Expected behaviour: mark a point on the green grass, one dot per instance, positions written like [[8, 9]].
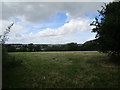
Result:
[[70, 69]]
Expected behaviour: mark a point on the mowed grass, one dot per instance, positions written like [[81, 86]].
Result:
[[70, 69]]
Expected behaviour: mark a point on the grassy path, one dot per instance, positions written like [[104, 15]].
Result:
[[62, 69]]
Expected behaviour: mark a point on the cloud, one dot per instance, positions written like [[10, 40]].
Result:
[[27, 14], [116, 0], [73, 26], [39, 11], [63, 34]]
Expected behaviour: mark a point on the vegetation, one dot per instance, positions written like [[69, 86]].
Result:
[[3, 37], [81, 69], [7, 60], [87, 46], [107, 26]]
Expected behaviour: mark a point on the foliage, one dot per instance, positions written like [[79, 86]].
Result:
[[107, 27], [91, 45], [3, 39], [72, 46], [4, 36], [87, 46], [4, 51], [7, 60], [11, 62]]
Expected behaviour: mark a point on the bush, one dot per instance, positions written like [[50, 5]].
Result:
[[4, 51], [13, 62], [9, 61]]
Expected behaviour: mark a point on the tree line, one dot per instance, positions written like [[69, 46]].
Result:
[[87, 46]]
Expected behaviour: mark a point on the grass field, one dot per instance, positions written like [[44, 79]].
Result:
[[73, 69]]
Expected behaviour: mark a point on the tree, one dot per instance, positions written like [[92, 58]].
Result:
[[11, 49], [72, 46], [91, 45], [31, 47], [107, 27], [4, 36]]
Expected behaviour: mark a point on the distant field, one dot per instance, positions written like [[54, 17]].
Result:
[[70, 69]]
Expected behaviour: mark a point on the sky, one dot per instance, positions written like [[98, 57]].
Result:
[[49, 22]]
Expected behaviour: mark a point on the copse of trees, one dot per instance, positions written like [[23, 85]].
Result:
[[107, 27], [72, 46], [91, 45]]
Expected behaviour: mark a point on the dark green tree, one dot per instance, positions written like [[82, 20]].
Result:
[[72, 46], [107, 27], [31, 47], [91, 45]]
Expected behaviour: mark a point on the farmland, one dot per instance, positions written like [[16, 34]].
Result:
[[65, 69]]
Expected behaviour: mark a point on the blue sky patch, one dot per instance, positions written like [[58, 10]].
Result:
[[58, 20], [83, 34], [54, 22]]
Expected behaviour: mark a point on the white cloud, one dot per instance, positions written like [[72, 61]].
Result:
[[36, 11], [63, 34], [73, 26], [59, 0], [30, 13]]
